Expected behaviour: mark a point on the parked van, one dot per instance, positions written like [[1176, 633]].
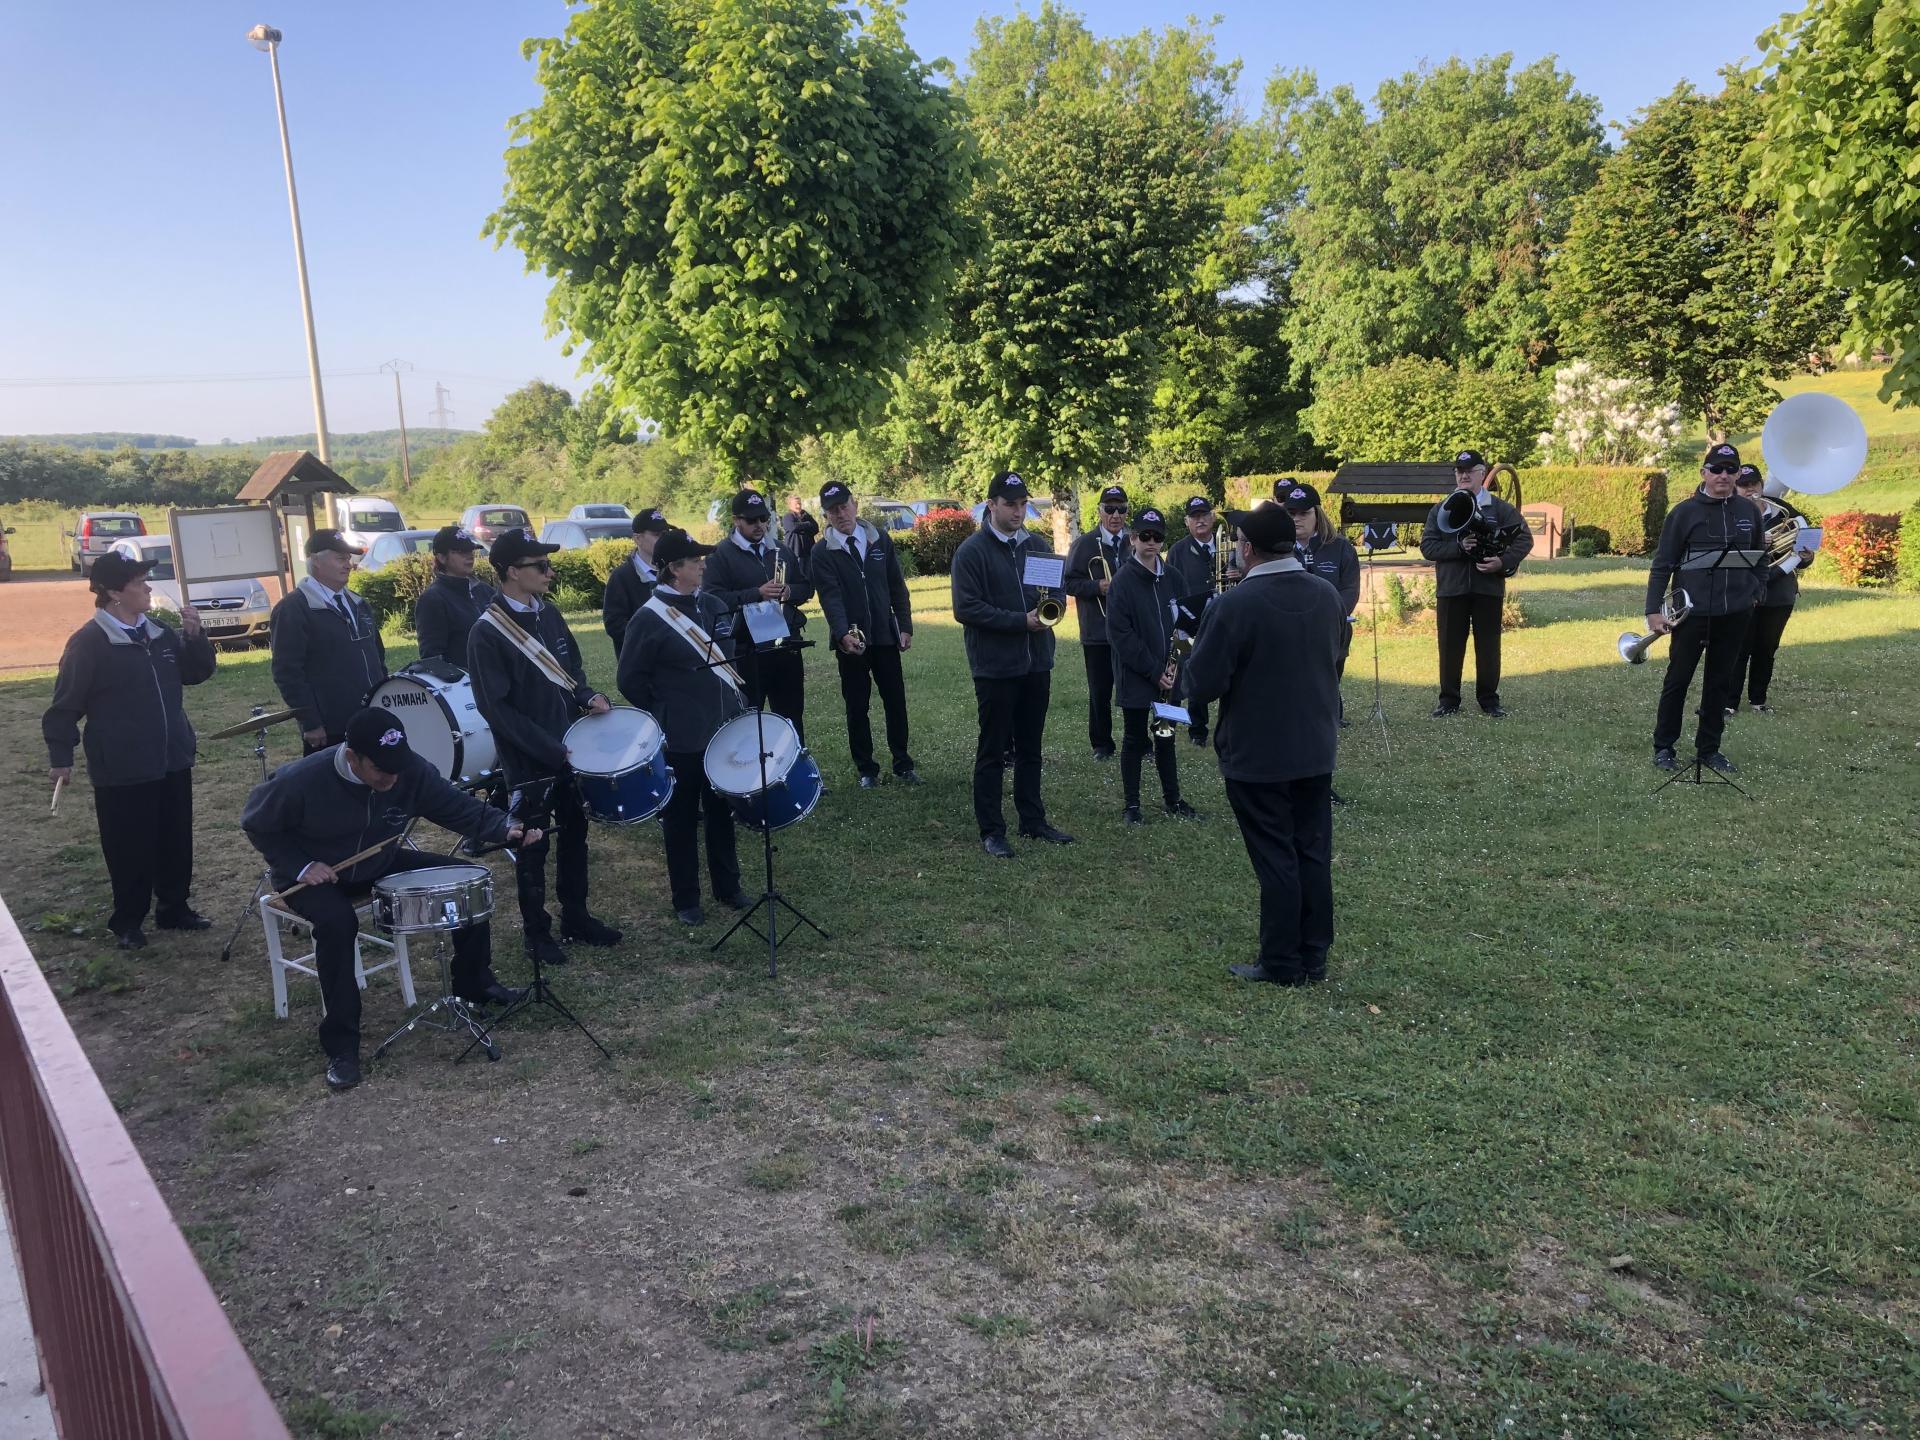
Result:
[[361, 517]]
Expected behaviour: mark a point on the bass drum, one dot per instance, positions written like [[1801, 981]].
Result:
[[792, 779], [434, 704]]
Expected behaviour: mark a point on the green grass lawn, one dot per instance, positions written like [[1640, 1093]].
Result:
[[1605, 1124]]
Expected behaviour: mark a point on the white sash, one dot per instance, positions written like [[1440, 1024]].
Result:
[[529, 646], [702, 643]]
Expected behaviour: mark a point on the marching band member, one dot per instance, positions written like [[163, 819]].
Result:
[[1323, 550], [740, 571], [1088, 584], [856, 571], [447, 609], [1010, 654], [1140, 611], [327, 652], [668, 669], [520, 655], [122, 674], [1769, 623], [1269, 652], [1708, 522], [1470, 589], [317, 811], [1195, 562], [630, 586]]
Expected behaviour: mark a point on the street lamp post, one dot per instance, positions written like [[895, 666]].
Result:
[[265, 37]]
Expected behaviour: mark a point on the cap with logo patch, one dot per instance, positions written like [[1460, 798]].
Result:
[[1468, 459], [1297, 495], [1199, 505], [516, 547], [449, 538], [751, 505], [654, 520], [376, 738], [325, 539], [834, 493], [1007, 485]]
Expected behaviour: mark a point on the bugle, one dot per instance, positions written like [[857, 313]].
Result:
[[1675, 608]]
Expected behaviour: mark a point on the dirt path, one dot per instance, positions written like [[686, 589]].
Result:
[[37, 614]]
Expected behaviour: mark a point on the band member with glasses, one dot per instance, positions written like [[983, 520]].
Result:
[[1141, 608], [1195, 561], [447, 609], [740, 571], [1755, 675], [1010, 654], [327, 652], [1096, 557], [517, 679], [631, 585], [1470, 588], [1323, 550], [1706, 524]]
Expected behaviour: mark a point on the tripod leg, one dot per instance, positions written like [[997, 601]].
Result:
[[240, 920]]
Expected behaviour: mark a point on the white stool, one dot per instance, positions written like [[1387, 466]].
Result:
[[278, 921]]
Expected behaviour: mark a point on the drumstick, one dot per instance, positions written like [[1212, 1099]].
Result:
[[345, 864], [54, 809]]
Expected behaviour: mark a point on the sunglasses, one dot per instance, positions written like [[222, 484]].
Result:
[[545, 567], [1113, 509], [1723, 469]]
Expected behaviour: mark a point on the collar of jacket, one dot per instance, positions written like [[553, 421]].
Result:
[[321, 598], [834, 540], [116, 633], [1285, 565], [1706, 499]]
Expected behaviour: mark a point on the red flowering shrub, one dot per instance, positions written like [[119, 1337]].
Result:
[[1864, 548], [934, 538]]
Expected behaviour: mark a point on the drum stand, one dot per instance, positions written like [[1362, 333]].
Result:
[[770, 896], [459, 1018]]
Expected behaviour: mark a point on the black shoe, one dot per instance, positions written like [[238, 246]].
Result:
[[1133, 816], [908, 776], [188, 919], [869, 782], [1664, 759], [1103, 752], [1270, 977], [1345, 724], [585, 930], [738, 900], [494, 993], [692, 915], [1197, 735], [134, 939], [996, 846], [1315, 969], [1335, 796], [546, 950], [1047, 833], [1719, 763], [1495, 712], [343, 1072], [1181, 810], [1443, 708]]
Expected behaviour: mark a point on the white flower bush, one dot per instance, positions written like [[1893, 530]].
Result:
[[1607, 420]]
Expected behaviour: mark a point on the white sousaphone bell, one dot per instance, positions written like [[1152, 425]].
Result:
[[1812, 443]]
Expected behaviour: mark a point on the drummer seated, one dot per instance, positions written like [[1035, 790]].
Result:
[[336, 803]]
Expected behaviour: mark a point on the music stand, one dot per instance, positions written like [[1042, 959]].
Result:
[[1695, 772], [1379, 538]]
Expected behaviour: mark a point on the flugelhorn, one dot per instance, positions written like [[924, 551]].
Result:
[[1675, 608], [1177, 653]]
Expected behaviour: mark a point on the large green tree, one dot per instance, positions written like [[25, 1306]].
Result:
[[1667, 271], [1424, 227], [1840, 155], [750, 210]]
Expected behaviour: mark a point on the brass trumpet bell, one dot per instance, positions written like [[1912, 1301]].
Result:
[[1051, 609]]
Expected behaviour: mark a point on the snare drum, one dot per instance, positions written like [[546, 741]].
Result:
[[620, 759], [440, 897], [733, 768], [434, 704]]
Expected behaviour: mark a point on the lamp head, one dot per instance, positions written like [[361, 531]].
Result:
[[264, 37]]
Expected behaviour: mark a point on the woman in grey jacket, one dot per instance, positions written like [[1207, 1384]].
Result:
[[122, 674]]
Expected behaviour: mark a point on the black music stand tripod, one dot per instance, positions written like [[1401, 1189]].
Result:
[[1378, 538]]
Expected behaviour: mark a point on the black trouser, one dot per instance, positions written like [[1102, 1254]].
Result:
[[1288, 830], [569, 822], [329, 909], [1457, 614], [1133, 755], [1099, 660], [680, 824], [146, 834], [1198, 729], [1719, 637], [777, 681], [1013, 716], [875, 667], [1757, 651]]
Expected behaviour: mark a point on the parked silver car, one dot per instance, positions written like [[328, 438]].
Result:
[[578, 534], [487, 523], [385, 549], [97, 531], [600, 512], [233, 612]]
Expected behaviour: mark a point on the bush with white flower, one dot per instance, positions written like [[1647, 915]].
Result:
[[1608, 420]]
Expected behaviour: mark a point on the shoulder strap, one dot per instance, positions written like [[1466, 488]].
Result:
[[701, 643], [529, 646]]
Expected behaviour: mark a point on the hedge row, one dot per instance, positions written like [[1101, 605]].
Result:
[[1864, 549], [1907, 566], [579, 580]]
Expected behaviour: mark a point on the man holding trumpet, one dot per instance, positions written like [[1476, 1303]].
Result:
[[750, 566], [869, 625]]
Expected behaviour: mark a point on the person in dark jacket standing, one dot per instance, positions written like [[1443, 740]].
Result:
[[447, 609], [1096, 557], [630, 586], [530, 686], [1700, 529], [1140, 614], [1470, 587], [1323, 550], [1268, 650], [668, 669], [740, 571], [799, 530], [856, 571], [1010, 654], [327, 653], [122, 675], [1782, 590], [1194, 560], [308, 816]]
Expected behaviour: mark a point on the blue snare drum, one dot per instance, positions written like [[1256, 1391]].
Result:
[[620, 760], [792, 779]]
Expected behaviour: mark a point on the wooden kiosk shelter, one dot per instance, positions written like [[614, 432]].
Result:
[[291, 482]]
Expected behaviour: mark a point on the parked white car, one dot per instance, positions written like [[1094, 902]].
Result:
[[233, 612], [361, 517], [578, 534], [388, 548], [601, 512]]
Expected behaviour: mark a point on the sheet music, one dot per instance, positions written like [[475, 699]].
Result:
[[1045, 572]]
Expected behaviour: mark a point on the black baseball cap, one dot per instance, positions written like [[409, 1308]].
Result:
[[329, 539], [1297, 496], [751, 505], [376, 737], [1007, 485], [1149, 521], [516, 547], [834, 493], [653, 519], [1467, 459], [1199, 505], [1721, 454], [1114, 495], [1749, 475], [1265, 527], [449, 538], [113, 570], [678, 545]]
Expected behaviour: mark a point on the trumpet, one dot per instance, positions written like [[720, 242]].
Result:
[[1050, 608], [1675, 608], [859, 639], [1177, 652], [1100, 561], [1225, 573], [780, 571]]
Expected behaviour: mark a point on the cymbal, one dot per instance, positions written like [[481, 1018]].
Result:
[[258, 722]]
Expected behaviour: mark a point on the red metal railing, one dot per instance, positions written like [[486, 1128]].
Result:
[[133, 1343]]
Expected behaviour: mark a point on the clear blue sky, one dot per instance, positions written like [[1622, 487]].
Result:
[[145, 222]]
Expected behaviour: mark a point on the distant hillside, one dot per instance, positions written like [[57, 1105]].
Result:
[[373, 445], [109, 440]]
